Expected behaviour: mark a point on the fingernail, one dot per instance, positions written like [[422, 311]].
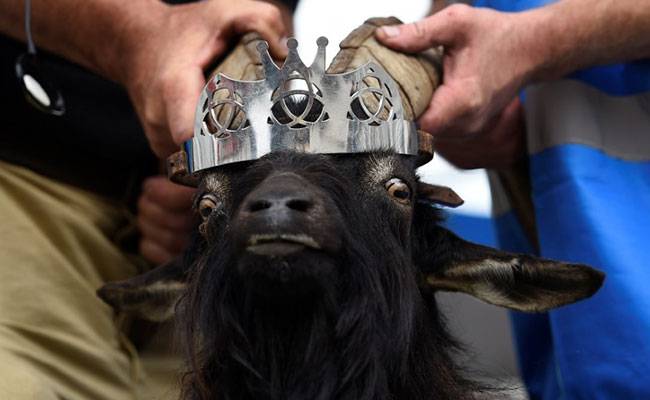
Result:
[[390, 31]]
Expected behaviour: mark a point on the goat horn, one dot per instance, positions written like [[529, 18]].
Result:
[[425, 152], [416, 75]]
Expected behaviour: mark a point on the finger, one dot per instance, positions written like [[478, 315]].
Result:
[[509, 134], [155, 128], [265, 19], [154, 253], [470, 153], [168, 195], [152, 211], [515, 107], [500, 145], [512, 116], [181, 95], [172, 241], [160, 141], [447, 108], [421, 35], [478, 155]]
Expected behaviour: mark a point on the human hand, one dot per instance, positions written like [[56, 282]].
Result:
[[164, 219], [499, 145], [485, 64], [165, 59]]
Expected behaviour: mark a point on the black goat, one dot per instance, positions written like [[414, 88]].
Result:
[[313, 277]]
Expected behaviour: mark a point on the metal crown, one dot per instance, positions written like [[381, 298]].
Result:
[[354, 112]]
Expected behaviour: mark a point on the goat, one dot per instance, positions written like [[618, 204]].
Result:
[[314, 277]]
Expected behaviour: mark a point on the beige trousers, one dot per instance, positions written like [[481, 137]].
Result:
[[57, 339]]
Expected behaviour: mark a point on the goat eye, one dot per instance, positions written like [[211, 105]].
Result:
[[207, 204], [399, 190]]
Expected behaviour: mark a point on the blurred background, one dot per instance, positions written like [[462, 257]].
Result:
[[484, 329]]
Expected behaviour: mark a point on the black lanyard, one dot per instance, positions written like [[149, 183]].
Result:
[[39, 89]]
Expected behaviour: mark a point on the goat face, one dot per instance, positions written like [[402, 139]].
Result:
[[303, 226], [308, 263], [313, 277]]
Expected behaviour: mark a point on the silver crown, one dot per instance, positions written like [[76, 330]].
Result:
[[355, 112]]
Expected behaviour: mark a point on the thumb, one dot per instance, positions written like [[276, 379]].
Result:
[[181, 103], [418, 36]]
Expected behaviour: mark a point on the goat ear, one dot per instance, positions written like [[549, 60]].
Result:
[[436, 194], [152, 296], [516, 281]]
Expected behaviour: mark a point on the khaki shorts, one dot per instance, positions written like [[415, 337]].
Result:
[[57, 339]]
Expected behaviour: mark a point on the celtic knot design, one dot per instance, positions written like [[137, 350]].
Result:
[[299, 108], [297, 103], [223, 114], [370, 101]]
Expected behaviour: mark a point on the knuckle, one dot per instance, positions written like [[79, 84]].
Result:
[[247, 22], [168, 239], [271, 13], [159, 236], [144, 227], [475, 96], [421, 28], [459, 16], [168, 86], [150, 113], [458, 12], [142, 205], [473, 127], [155, 194], [177, 224], [474, 99], [152, 252], [431, 121]]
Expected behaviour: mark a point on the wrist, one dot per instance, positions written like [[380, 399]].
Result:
[[549, 43], [532, 50]]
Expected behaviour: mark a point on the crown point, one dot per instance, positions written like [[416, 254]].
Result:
[[292, 43], [322, 41]]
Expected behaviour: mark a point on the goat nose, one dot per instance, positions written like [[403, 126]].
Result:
[[279, 202]]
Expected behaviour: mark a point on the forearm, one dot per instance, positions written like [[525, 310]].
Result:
[[574, 34], [90, 33]]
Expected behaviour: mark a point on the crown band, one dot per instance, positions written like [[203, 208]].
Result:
[[245, 120]]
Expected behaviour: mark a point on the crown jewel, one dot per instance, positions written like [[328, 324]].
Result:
[[298, 108]]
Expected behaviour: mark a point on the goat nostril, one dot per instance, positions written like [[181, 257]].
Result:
[[259, 205], [299, 204]]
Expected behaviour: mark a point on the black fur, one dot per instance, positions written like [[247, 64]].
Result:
[[366, 331]]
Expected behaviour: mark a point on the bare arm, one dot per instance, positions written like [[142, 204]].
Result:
[[158, 52], [574, 34], [91, 33], [491, 55]]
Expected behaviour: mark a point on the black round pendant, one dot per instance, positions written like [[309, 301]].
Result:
[[39, 90]]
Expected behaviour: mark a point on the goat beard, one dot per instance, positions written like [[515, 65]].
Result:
[[371, 336]]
